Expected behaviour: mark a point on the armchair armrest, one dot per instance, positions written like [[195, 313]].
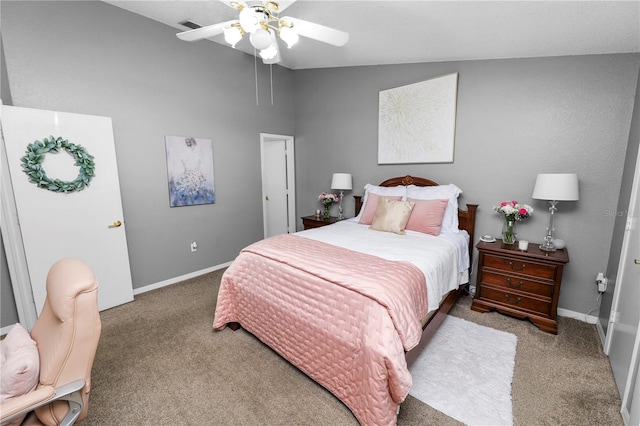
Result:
[[44, 395], [25, 403]]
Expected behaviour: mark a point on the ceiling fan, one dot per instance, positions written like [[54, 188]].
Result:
[[263, 24]]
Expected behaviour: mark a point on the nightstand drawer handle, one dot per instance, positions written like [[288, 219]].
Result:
[[517, 269], [514, 285], [515, 302]]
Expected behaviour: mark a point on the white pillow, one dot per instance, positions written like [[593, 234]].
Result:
[[450, 192], [388, 191], [19, 366]]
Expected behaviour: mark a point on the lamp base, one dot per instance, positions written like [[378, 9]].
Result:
[[548, 239], [547, 245], [340, 216]]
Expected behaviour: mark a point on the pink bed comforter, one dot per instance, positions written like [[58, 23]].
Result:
[[343, 318]]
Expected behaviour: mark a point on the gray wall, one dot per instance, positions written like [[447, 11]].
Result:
[[622, 212], [516, 118], [93, 58]]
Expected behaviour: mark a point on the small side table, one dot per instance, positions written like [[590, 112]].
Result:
[[522, 284], [309, 222]]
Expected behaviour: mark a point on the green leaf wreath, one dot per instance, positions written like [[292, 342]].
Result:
[[34, 156]]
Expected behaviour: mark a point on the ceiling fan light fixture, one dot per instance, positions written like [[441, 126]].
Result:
[[260, 19], [288, 35], [260, 39], [269, 53], [271, 6], [249, 19], [233, 34]]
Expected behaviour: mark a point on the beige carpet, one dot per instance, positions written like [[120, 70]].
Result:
[[160, 363]]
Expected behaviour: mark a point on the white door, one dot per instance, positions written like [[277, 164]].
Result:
[[87, 224], [625, 311], [634, 415], [278, 193]]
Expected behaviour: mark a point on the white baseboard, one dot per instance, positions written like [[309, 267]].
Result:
[[175, 280], [589, 319]]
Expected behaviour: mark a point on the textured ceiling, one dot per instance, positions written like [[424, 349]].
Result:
[[387, 32]]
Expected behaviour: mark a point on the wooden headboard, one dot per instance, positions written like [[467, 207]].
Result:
[[466, 218]]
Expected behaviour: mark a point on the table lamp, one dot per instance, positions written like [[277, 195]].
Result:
[[555, 187], [341, 182]]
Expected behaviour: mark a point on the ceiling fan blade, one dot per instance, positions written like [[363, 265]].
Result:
[[318, 32], [204, 32], [282, 5]]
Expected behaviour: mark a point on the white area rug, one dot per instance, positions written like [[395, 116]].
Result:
[[466, 372]]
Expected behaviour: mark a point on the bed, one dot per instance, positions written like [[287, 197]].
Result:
[[352, 306]]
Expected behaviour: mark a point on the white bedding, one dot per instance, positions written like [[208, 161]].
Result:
[[444, 260]]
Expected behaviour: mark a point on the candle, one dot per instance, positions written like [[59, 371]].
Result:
[[318, 213], [523, 245]]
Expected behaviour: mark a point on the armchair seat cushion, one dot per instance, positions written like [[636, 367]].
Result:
[[19, 365]]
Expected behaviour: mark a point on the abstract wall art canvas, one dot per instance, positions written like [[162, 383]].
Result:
[[190, 171], [417, 122]]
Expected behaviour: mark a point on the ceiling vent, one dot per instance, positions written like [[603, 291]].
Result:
[[190, 24]]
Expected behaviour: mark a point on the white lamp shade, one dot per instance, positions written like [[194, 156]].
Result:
[[249, 20], [232, 35], [341, 181], [260, 39], [289, 36], [269, 53], [556, 187]]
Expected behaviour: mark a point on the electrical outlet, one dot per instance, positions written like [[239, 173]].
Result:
[[601, 281], [194, 247], [602, 285]]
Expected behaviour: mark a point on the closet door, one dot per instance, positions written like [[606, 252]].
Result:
[[625, 312]]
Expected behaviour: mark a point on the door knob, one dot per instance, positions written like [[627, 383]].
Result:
[[636, 261], [266, 197], [115, 224]]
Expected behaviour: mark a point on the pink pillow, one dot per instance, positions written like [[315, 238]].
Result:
[[372, 204], [427, 216], [450, 192], [19, 365]]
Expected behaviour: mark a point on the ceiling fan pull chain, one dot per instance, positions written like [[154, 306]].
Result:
[[271, 78], [255, 69]]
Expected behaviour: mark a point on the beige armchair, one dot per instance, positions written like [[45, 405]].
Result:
[[66, 335]]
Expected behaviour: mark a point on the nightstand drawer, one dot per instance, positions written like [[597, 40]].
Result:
[[309, 222], [520, 266], [516, 300], [310, 225], [514, 282]]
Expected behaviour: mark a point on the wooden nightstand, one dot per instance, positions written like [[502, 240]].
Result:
[[522, 284], [309, 222]]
